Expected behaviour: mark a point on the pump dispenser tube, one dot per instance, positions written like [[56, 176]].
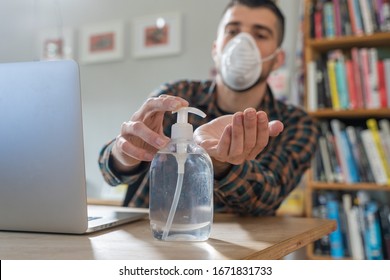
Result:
[[194, 166]]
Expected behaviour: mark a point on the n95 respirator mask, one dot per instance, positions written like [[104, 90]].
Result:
[[241, 62]]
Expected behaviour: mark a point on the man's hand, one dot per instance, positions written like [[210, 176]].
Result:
[[142, 136], [233, 139]]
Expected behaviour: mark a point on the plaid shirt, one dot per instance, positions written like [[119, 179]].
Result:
[[256, 187]]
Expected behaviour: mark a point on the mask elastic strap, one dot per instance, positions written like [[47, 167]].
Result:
[[271, 56]]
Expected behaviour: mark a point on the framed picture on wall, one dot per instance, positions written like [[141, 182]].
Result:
[[55, 44], [157, 35], [101, 42]]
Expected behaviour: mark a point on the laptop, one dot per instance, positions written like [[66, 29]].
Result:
[[42, 171]]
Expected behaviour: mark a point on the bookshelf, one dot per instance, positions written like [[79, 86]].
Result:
[[316, 47]]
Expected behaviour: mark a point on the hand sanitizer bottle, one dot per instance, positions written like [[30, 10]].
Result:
[[181, 186]]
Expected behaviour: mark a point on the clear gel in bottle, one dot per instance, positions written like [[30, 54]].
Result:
[[181, 186]]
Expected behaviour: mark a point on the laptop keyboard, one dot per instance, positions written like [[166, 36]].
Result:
[[93, 218]]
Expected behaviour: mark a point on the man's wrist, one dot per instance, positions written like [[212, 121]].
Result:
[[221, 169]]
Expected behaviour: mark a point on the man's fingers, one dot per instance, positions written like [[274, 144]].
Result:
[[224, 143], [275, 128], [262, 135], [237, 142], [162, 103], [250, 129], [130, 154], [140, 130]]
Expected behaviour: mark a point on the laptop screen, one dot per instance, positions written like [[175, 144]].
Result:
[[42, 176]]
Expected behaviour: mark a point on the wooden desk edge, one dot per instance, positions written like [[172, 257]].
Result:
[[280, 250]]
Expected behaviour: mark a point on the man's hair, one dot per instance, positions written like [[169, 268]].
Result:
[[263, 4]]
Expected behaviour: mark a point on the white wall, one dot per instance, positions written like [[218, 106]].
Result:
[[111, 92]]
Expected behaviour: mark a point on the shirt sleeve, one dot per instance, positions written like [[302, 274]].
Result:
[[114, 178], [258, 187]]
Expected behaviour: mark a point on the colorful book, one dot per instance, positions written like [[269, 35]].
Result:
[[386, 15], [354, 238], [386, 63], [373, 156], [326, 163], [356, 17], [382, 85], [337, 17], [352, 84], [366, 16], [384, 126], [358, 77], [348, 165], [333, 84], [336, 237], [359, 155], [384, 218], [318, 31], [345, 18], [312, 96], [373, 126], [365, 76], [329, 21], [372, 237], [373, 81], [341, 80]]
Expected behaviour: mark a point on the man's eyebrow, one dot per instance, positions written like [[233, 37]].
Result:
[[261, 27], [233, 23]]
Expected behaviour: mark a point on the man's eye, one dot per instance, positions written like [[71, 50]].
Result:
[[261, 36], [231, 32]]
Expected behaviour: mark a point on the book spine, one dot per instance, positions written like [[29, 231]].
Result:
[[336, 129], [358, 17], [384, 126], [337, 17], [358, 78], [387, 80], [373, 157], [312, 97], [353, 232], [329, 20], [356, 153], [373, 126], [341, 80], [333, 84], [366, 15], [345, 18], [382, 84], [351, 82], [386, 16], [373, 239], [365, 74], [379, 11], [384, 218], [373, 71], [318, 27], [335, 238], [326, 159]]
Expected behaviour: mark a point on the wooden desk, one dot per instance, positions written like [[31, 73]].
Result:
[[232, 237]]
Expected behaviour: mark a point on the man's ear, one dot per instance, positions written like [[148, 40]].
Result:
[[280, 59]]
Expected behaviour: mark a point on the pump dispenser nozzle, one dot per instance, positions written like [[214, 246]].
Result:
[[182, 131]]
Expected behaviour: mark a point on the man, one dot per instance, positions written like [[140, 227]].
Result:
[[260, 147]]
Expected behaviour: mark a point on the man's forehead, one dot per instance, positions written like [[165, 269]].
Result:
[[249, 16]]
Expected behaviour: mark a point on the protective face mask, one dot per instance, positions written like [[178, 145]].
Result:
[[241, 62]]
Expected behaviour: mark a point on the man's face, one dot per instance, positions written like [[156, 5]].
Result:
[[261, 23]]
